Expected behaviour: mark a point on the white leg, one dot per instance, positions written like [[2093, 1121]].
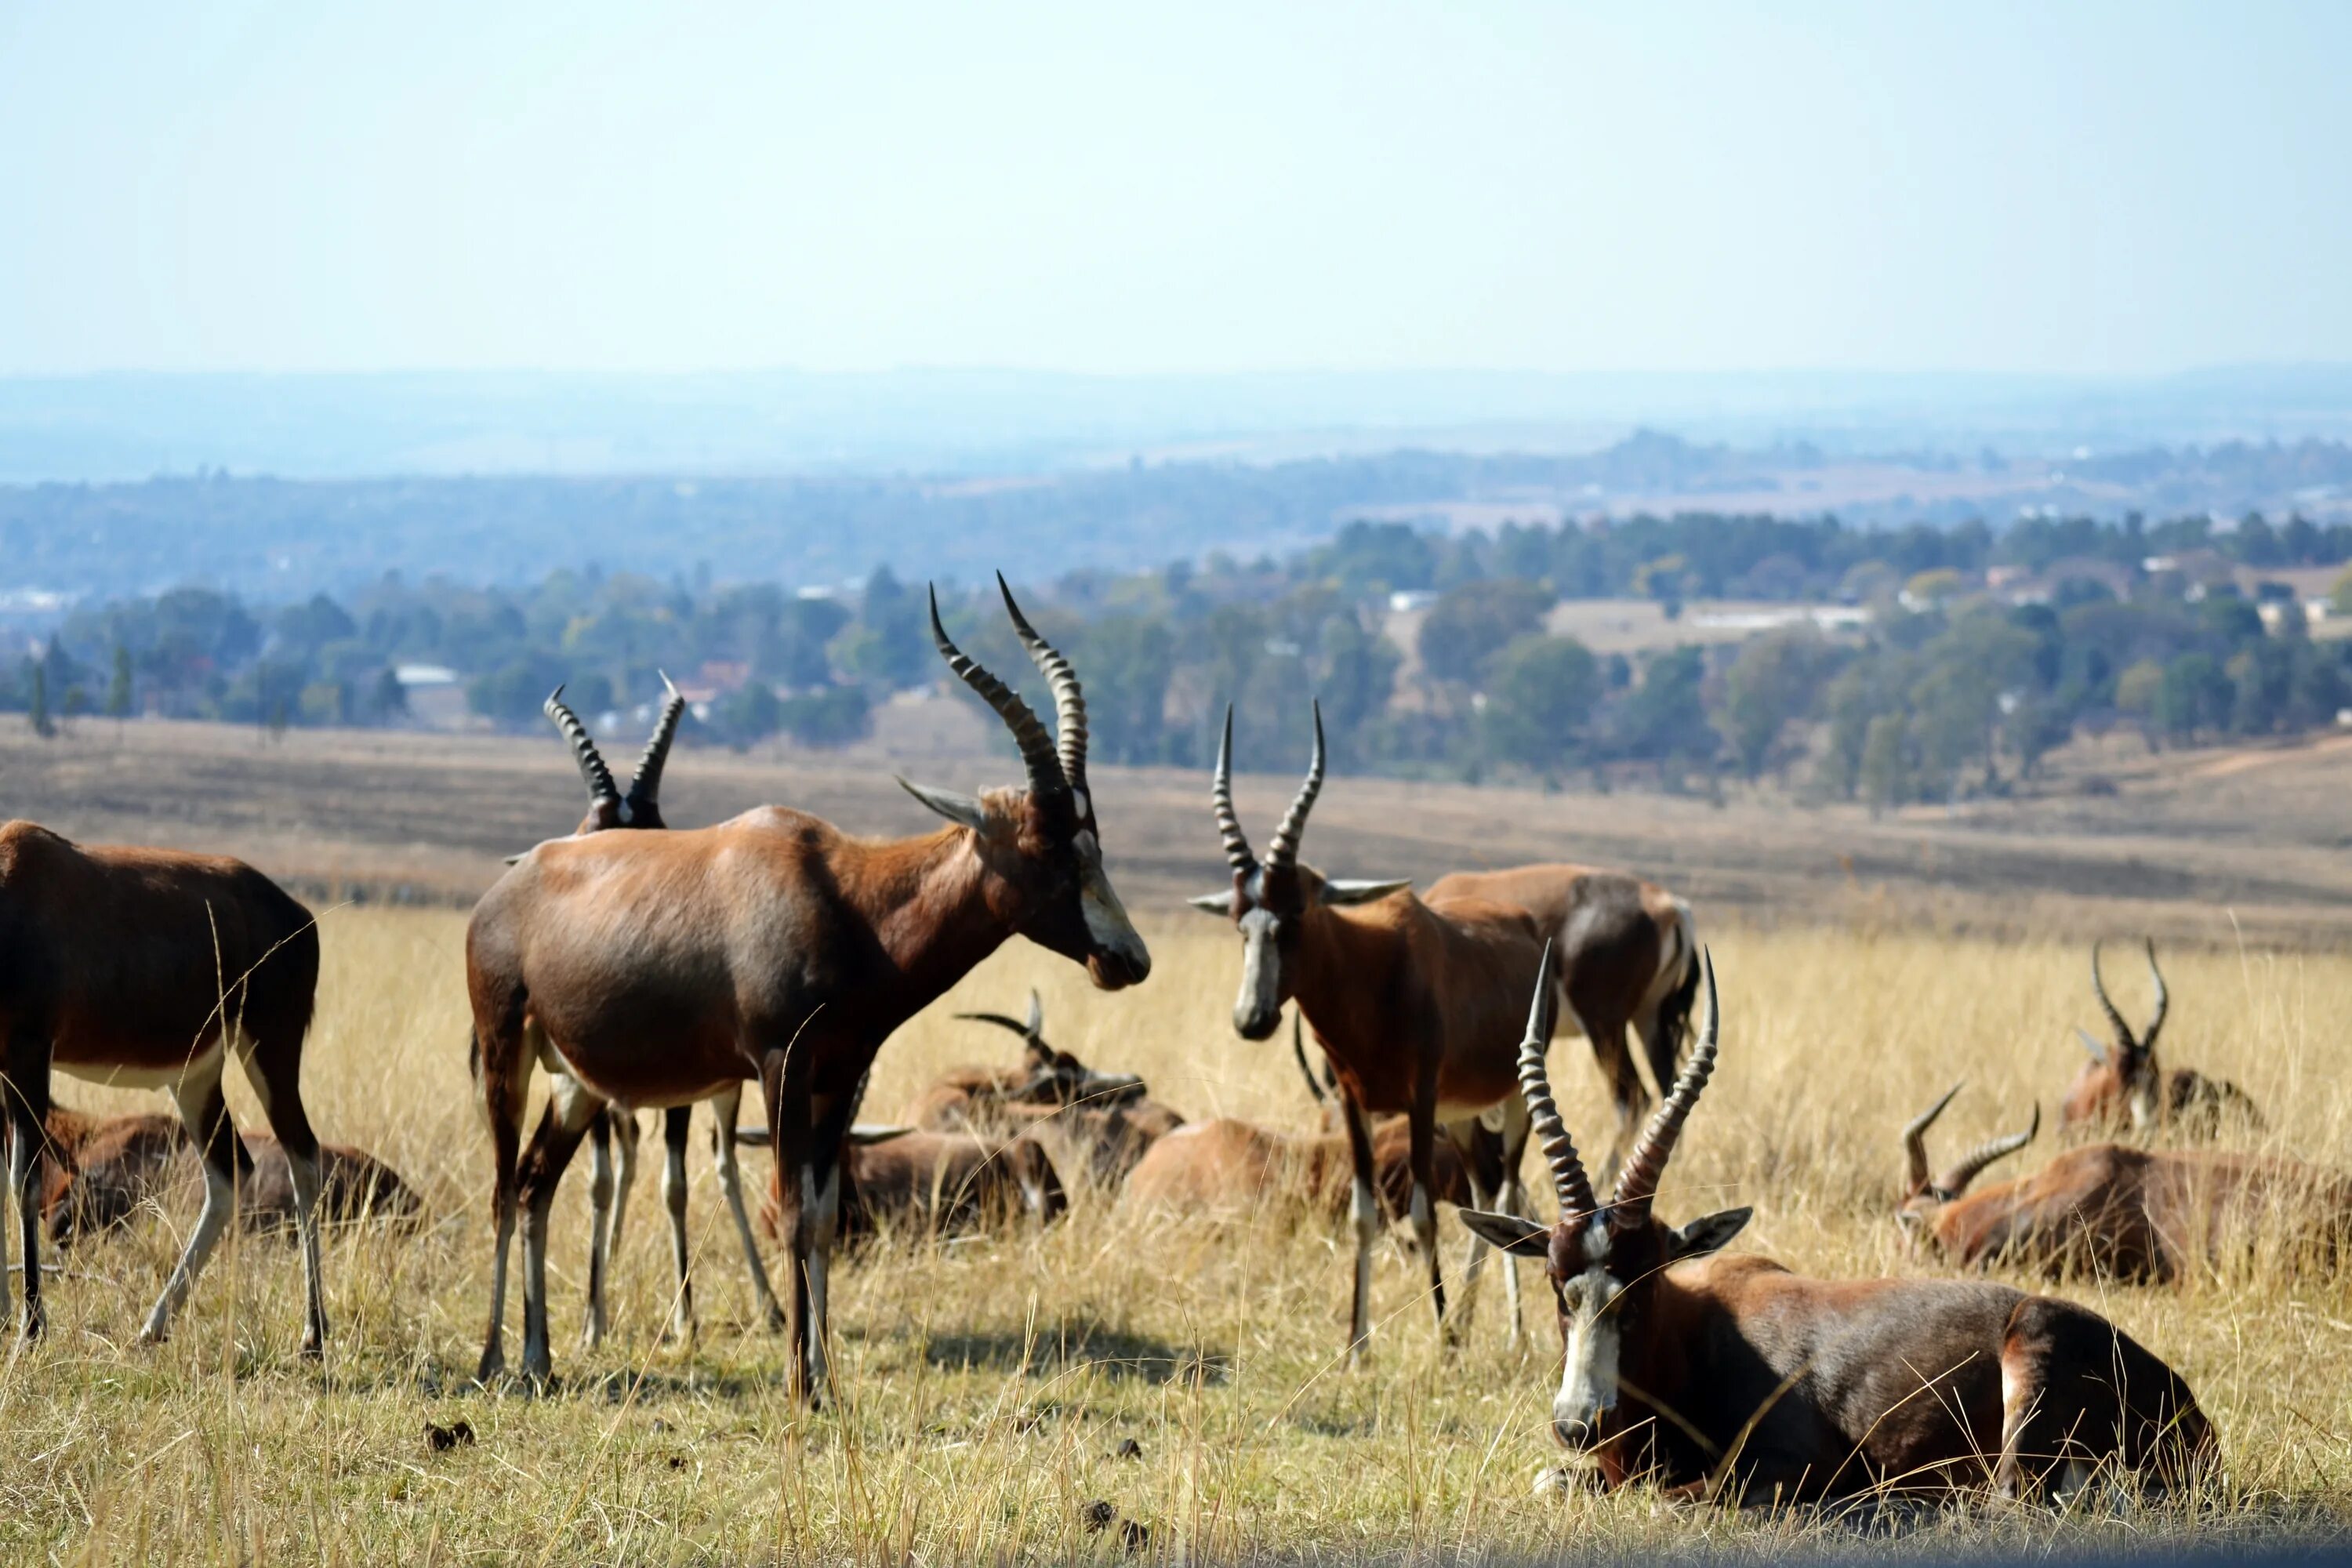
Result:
[[1515, 1201], [827, 1211], [724, 1108], [571, 1107], [1367, 1210], [304, 1168], [195, 1096], [599, 1225]]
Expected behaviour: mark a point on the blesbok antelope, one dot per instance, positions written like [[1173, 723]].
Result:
[[1413, 1003], [149, 967], [1627, 955], [935, 1183], [2122, 1213], [1731, 1376], [102, 1169], [2124, 1085], [1100, 1120], [657, 969], [613, 1132], [1392, 1143]]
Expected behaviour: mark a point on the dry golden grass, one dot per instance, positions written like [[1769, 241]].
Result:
[[987, 1384]]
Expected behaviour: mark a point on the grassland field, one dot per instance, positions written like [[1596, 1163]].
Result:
[[986, 1384]]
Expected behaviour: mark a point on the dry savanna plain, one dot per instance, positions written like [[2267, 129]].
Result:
[[989, 1385]]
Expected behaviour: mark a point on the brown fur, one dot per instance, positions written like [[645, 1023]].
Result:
[[2141, 1215], [1626, 955], [1233, 1168], [942, 1184], [1101, 1123], [662, 968], [106, 1170], [141, 959]]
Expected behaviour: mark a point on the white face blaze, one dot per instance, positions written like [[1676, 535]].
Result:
[[1258, 1008], [1588, 1373], [1106, 917]]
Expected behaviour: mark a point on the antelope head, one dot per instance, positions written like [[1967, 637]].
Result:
[[607, 806], [1925, 1196], [1271, 898], [2126, 1071], [1606, 1264], [1040, 842], [1057, 1078]]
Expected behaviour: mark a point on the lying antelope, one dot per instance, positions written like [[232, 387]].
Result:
[[149, 967], [1412, 1002], [657, 969], [935, 1183], [103, 1170], [1104, 1122], [612, 1133], [1628, 956], [2123, 1084], [2122, 1213], [1730, 1376]]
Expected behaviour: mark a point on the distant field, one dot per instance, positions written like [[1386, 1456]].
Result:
[[2212, 848], [987, 1384]]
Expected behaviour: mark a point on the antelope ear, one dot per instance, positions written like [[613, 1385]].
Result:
[[1711, 1233], [960, 809], [1353, 890], [1509, 1232], [1214, 903], [870, 1132], [2098, 1052]]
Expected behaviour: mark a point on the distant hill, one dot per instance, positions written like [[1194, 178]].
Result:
[[274, 540]]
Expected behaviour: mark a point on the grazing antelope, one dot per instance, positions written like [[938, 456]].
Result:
[[1713, 1376], [149, 967], [1412, 1002], [2121, 1213], [1104, 1122], [613, 1132], [102, 1169], [2123, 1084], [1628, 954], [657, 969]]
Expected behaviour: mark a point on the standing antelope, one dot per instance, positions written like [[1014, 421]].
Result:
[[2123, 1083], [2122, 1213], [657, 969], [1102, 1121], [149, 967], [1713, 1375], [613, 1132], [1413, 1003], [1628, 954]]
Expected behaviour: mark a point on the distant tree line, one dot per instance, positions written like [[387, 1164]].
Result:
[[1947, 689]]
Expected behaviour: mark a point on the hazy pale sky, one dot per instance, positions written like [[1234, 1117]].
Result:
[[601, 185]]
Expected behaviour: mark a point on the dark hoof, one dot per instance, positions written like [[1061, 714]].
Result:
[[441, 1439]]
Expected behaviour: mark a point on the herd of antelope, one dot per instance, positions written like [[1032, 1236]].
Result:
[[647, 967]]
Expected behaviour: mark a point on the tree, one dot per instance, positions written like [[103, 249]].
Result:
[[1769, 686], [1541, 693], [118, 688], [833, 716], [37, 709], [387, 698], [1885, 775], [1359, 674], [750, 712], [1664, 718], [1471, 624], [2194, 696]]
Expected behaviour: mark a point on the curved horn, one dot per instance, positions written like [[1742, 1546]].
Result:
[[1955, 1182], [2163, 998], [1069, 702], [1576, 1203], [1045, 768], [1283, 848], [644, 785], [1914, 1143], [583, 748], [1220, 801], [999, 1019], [1298, 1054], [1037, 1026], [1637, 1183], [2115, 1018]]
